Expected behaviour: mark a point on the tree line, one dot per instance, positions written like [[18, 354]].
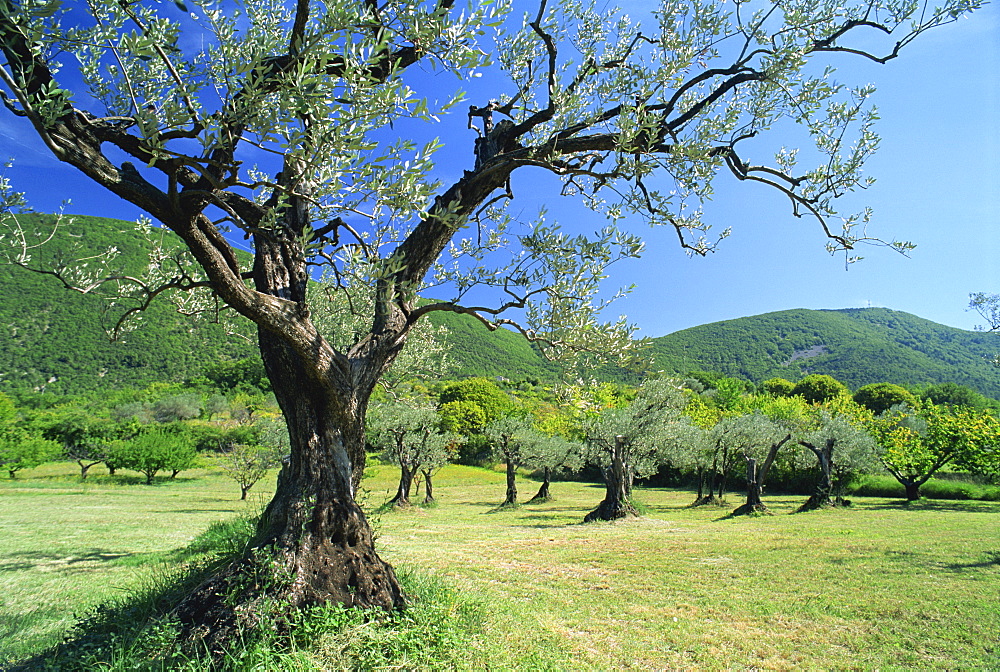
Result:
[[707, 428]]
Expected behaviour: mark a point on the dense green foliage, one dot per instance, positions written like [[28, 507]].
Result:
[[880, 397], [819, 387], [856, 346], [155, 449], [55, 339]]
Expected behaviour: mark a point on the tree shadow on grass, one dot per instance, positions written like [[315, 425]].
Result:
[[992, 559], [501, 508], [197, 511], [549, 521], [15, 562], [957, 505], [540, 509]]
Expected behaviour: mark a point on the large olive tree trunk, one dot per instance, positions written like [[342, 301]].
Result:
[[616, 503], [313, 541]]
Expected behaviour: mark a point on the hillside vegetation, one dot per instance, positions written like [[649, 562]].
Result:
[[54, 339], [858, 346]]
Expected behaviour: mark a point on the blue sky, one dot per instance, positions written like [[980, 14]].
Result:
[[938, 172]]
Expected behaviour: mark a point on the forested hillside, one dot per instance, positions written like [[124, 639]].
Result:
[[857, 345], [476, 351], [53, 338]]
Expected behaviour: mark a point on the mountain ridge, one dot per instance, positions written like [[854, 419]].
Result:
[[52, 339], [856, 345]]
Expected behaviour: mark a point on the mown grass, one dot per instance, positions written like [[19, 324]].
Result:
[[880, 585], [68, 545]]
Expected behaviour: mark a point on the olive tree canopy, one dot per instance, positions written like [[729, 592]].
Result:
[[287, 123]]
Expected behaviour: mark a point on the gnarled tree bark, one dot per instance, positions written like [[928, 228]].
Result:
[[616, 503]]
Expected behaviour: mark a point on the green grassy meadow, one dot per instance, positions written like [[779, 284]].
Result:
[[880, 585]]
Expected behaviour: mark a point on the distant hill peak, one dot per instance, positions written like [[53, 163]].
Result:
[[855, 345]]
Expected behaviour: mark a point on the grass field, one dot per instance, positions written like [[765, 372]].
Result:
[[881, 585]]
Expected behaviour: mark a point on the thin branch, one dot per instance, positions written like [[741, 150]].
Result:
[[298, 27], [192, 110]]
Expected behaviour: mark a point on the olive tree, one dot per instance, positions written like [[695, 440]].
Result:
[[841, 447], [290, 123], [409, 434], [632, 441], [513, 438], [757, 438], [248, 463], [552, 453]]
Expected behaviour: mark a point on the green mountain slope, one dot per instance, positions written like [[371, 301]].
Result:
[[477, 351], [53, 338], [857, 345]]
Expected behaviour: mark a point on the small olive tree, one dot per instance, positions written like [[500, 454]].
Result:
[[551, 454], [632, 441], [757, 439], [842, 447], [513, 439], [248, 463], [409, 433]]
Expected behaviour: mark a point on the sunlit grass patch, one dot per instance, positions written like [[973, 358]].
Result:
[[882, 584]]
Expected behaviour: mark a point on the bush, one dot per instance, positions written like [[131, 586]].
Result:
[[819, 387], [880, 397], [154, 450], [777, 387], [178, 407]]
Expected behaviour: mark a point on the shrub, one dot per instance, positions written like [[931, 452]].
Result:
[[178, 407], [880, 397], [777, 387], [154, 450], [819, 387]]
